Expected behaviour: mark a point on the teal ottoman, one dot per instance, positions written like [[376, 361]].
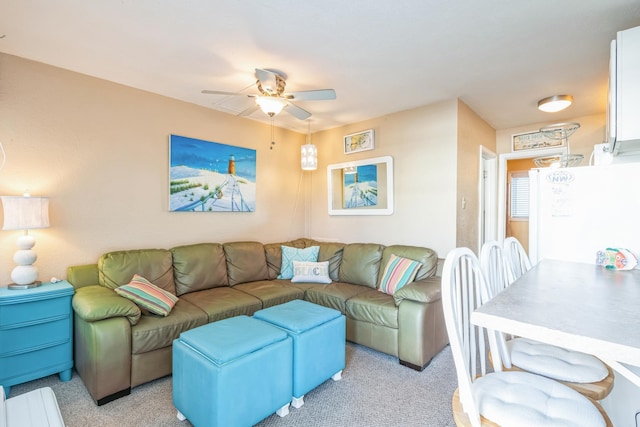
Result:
[[234, 372], [318, 343]]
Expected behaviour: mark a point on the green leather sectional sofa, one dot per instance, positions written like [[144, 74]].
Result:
[[116, 347]]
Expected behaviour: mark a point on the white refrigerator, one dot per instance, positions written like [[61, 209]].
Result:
[[575, 212]]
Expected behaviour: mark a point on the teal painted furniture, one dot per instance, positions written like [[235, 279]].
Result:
[[318, 335], [233, 372], [35, 333]]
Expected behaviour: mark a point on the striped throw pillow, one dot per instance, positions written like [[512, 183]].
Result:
[[398, 272], [148, 296]]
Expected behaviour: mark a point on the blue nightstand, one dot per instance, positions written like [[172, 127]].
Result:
[[35, 333]]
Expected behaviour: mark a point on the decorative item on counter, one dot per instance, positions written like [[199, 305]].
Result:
[[616, 259]]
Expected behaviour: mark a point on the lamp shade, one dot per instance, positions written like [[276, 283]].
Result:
[[271, 105], [25, 212], [309, 157]]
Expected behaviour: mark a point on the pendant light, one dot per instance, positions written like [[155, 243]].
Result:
[[309, 153]]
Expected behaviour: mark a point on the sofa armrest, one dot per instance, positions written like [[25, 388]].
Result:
[[93, 303], [426, 291], [421, 328]]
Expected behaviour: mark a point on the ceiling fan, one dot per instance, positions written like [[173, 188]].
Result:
[[272, 98]]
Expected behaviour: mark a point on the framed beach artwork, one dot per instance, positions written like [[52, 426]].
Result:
[[208, 176], [359, 141], [363, 187]]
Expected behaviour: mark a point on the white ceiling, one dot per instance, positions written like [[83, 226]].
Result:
[[498, 56]]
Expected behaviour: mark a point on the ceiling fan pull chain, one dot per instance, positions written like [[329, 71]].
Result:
[[273, 141]]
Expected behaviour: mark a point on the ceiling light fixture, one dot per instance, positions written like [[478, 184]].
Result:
[[555, 103], [271, 105]]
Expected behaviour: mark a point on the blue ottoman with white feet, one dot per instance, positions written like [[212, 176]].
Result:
[[318, 343], [234, 372]]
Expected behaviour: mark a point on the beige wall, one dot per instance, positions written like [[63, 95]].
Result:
[[422, 142], [473, 132], [99, 150], [425, 144]]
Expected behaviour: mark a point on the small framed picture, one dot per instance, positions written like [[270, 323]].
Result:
[[533, 140], [359, 141]]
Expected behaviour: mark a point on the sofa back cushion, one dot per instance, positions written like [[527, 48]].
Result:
[[246, 262], [360, 264], [156, 265], [427, 257], [198, 267], [332, 252]]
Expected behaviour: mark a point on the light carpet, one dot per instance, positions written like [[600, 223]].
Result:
[[375, 390]]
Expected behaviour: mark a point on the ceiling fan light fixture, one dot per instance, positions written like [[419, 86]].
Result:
[[555, 103], [271, 105]]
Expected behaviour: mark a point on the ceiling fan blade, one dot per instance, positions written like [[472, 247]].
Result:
[[267, 80], [296, 111], [248, 111], [219, 92], [312, 95]]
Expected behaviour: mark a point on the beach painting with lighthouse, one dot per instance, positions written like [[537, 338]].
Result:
[[210, 177]]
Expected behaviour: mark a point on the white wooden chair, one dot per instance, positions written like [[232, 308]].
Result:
[[516, 256], [584, 373], [499, 398], [36, 408]]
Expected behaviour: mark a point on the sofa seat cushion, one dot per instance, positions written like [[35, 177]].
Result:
[[154, 332], [334, 295], [271, 293], [221, 303], [302, 286], [374, 307], [200, 266]]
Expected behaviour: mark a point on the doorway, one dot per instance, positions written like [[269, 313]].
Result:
[[487, 189], [503, 189]]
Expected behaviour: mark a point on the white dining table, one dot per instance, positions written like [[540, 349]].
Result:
[[582, 307]]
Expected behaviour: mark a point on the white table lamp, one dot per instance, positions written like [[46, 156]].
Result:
[[25, 213]]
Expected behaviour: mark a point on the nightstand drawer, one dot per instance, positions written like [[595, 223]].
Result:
[[38, 363], [16, 340], [36, 337], [33, 311]]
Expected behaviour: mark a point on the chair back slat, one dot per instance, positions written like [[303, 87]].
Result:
[[517, 257], [464, 290], [499, 276]]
